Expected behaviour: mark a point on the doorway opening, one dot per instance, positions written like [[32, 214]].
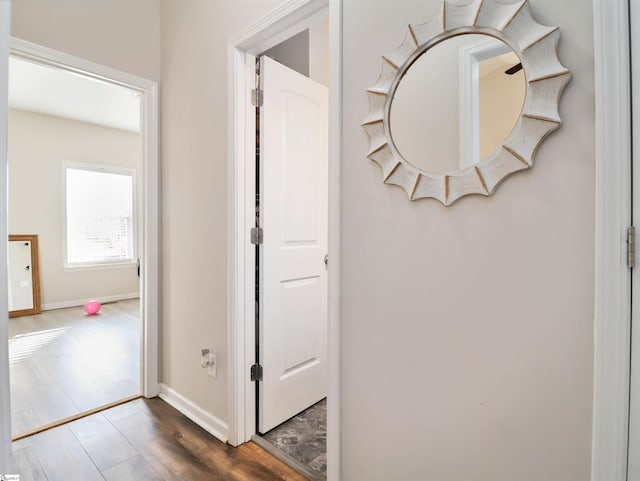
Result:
[[290, 370], [246, 421], [83, 173]]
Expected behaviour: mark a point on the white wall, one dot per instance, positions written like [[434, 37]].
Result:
[[293, 52], [38, 144], [121, 34], [194, 190], [476, 318], [307, 52], [319, 60]]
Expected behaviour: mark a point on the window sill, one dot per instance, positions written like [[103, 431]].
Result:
[[99, 266]]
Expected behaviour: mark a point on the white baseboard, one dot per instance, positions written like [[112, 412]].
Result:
[[80, 302], [207, 421]]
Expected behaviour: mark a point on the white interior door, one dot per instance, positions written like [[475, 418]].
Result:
[[633, 467], [293, 274]]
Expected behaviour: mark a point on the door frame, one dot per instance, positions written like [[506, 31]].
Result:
[[5, 398], [612, 309], [633, 468], [289, 19], [149, 246], [470, 58]]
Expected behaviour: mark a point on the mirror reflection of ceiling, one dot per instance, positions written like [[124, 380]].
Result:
[[52, 91], [427, 118]]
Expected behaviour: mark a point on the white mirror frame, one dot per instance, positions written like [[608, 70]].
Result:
[[535, 45]]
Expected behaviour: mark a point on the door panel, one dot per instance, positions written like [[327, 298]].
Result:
[[293, 276], [302, 310]]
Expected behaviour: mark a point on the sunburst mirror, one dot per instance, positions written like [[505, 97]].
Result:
[[465, 100]]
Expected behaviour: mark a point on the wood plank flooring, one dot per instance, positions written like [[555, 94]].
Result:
[[63, 362], [143, 440]]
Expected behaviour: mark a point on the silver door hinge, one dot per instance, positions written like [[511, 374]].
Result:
[[257, 97], [257, 235], [256, 372], [631, 247]]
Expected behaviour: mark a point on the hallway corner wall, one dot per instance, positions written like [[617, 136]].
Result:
[[479, 316]]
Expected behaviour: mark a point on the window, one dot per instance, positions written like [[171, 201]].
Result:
[[99, 215]]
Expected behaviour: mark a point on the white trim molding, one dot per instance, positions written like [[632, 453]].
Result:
[[613, 215], [633, 457], [207, 421], [284, 22], [80, 302], [150, 265], [241, 255], [334, 396], [291, 18], [5, 399], [149, 269]]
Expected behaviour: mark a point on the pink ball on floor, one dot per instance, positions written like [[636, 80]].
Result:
[[92, 307]]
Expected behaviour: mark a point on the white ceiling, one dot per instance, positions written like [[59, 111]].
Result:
[[53, 91]]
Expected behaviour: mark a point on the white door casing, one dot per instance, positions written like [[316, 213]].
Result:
[[150, 186], [633, 467], [5, 407], [289, 19], [613, 215], [293, 274], [470, 58]]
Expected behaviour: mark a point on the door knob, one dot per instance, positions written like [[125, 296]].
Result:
[[326, 259]]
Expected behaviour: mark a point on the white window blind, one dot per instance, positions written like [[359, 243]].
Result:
[[99, 211]]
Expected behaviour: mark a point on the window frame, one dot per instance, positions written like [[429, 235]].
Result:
[[108, 169]]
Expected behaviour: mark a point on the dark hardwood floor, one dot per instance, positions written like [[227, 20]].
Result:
[[63, 362], [143, 440]]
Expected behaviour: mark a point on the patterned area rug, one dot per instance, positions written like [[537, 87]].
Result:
[[304, 437]]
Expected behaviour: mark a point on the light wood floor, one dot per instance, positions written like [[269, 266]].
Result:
[[63, 362], [143, 440]]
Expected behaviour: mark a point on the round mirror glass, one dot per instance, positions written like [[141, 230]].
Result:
[[457, 103]]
